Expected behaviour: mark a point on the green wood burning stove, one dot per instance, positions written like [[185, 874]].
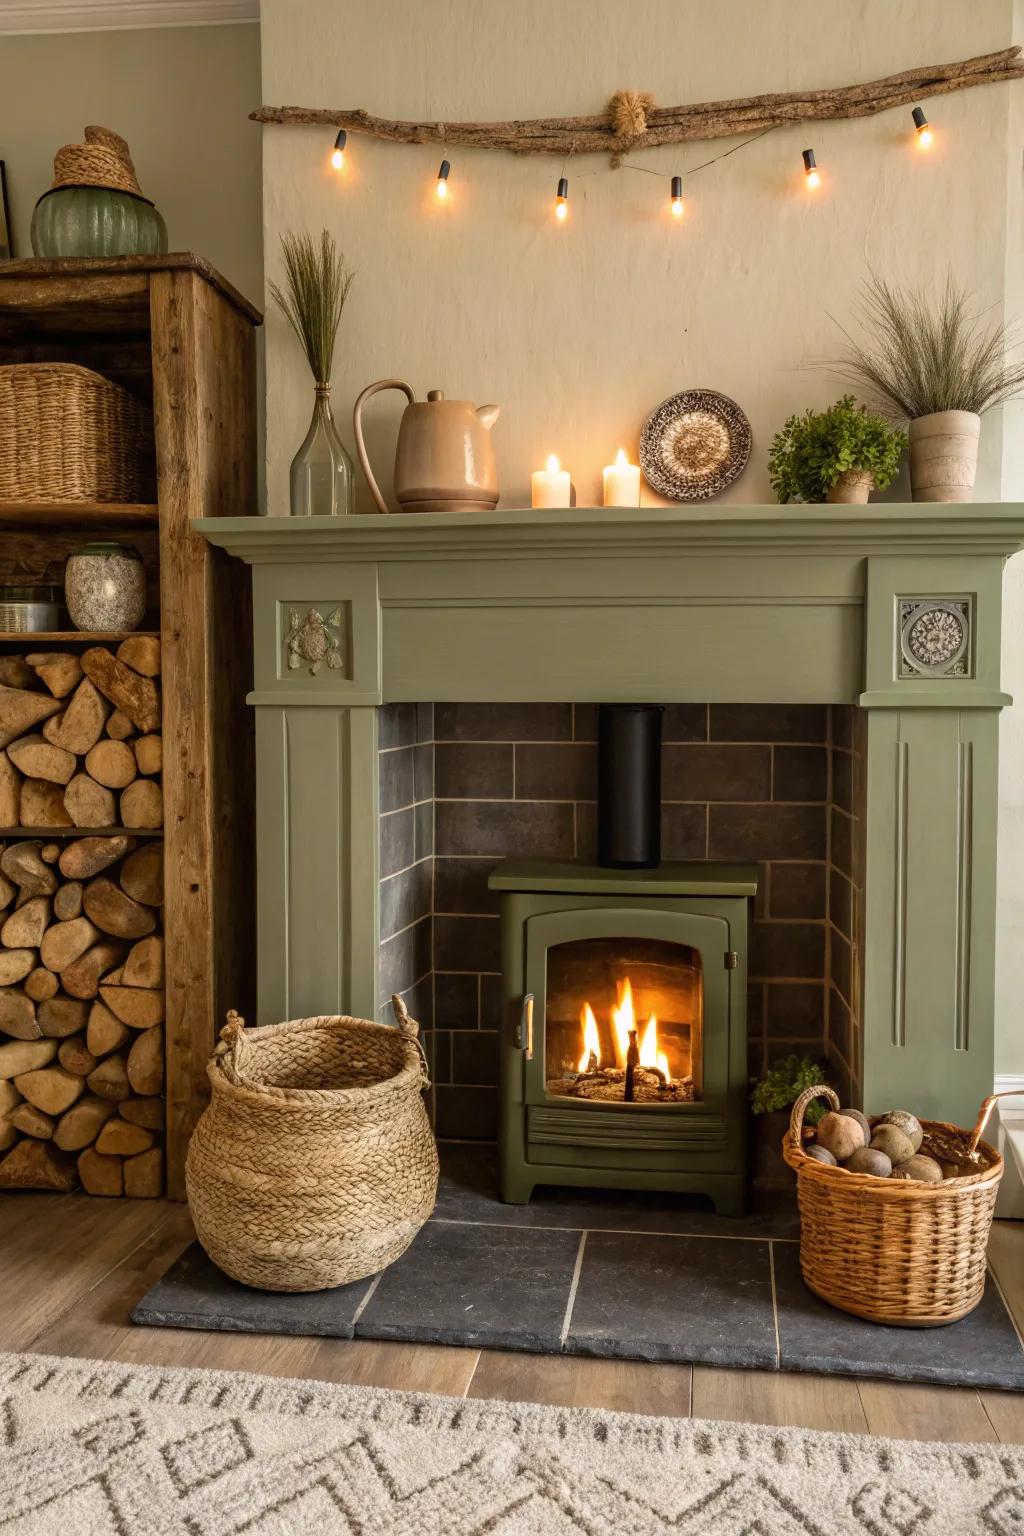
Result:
[[624, 1045]]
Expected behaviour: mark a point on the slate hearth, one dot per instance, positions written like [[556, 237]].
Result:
[[583, 1272]]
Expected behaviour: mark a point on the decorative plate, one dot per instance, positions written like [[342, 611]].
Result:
[[694, 444]]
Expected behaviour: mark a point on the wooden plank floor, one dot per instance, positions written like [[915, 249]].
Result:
[[71, 1269]]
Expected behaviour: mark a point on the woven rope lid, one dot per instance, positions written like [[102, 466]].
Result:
[[104, 160]]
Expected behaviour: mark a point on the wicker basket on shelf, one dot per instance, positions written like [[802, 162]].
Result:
[[314, 1164], [69, 434], [897, 1251]]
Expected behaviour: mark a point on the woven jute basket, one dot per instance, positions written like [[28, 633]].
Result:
[[314, 1163], [68, 434], [894, 1250]]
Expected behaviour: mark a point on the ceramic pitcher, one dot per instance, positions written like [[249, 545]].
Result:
[[444, 461]]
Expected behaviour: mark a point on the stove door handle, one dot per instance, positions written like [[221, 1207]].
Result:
[[523, 1038]]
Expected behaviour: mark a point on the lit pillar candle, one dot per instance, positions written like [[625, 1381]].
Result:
[[622, 482], [550, 487]]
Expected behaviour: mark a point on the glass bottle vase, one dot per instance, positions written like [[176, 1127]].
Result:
[[322, 475]]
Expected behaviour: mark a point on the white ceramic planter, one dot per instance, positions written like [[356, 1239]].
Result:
[[854, 486], [944, 456]]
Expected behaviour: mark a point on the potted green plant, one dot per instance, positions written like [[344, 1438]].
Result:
[[837, 455], [771, 1099], [935, 362]]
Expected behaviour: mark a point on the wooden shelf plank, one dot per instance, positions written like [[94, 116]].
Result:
[[78, 514], [66, 636], [51, 834], [65, 280]]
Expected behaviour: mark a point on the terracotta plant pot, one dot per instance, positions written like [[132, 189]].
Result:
[[944, 456], [853, 486]]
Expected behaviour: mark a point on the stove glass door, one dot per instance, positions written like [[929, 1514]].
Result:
[[630, 1007]]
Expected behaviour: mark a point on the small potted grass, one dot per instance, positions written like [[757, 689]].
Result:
[[934, 361], [837, 455]]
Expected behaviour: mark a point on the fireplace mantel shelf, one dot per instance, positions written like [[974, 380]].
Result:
[[631, 532]]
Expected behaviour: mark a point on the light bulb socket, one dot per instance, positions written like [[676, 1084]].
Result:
[[563, 186], [677, 186], [442, 174], [341, 140], [920, 121], [809, 161]]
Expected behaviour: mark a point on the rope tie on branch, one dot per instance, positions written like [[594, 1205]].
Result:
[[627, 112]]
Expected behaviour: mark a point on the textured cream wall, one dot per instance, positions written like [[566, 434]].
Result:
[[579, 331], [179, 95]]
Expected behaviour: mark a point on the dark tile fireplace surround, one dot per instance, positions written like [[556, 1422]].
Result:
[[463, 786]]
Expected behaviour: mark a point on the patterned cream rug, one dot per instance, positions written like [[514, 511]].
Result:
[[89, 1449]]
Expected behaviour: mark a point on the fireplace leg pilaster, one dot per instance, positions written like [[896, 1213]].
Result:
[[929, 910], [318, 861]]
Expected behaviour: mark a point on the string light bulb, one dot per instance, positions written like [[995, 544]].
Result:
[[562, 199], [677, 197], [811, 171], [924, 132], [338, 153], [442, 180]]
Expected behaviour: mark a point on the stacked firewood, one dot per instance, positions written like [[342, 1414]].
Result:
[[81, 737], [81, 947]]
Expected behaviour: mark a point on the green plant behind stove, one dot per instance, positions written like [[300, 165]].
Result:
[[784, 1084], [813, 450]]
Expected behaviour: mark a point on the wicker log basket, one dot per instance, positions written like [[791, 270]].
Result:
[[314, 1163], [69, 434], [897, 1251]]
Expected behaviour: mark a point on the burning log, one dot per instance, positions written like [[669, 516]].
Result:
[[632, 1062]]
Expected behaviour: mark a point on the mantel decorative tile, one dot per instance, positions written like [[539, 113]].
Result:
[[315, 636], [934, 638]]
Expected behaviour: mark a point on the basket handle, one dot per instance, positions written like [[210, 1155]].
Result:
[[232, 1039], [411, 1030], [983, 1116], [796, 1117]]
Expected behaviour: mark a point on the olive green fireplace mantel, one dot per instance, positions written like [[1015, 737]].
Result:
[[722, 603]]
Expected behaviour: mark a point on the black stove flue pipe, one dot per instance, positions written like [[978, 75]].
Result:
[[629, 786]]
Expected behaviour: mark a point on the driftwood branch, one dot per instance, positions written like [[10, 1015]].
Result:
[[632, 122]]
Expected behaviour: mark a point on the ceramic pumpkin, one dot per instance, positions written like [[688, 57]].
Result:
[[95, 206], [96, 221]]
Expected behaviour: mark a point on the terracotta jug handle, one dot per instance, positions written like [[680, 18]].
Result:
[[357, 424]]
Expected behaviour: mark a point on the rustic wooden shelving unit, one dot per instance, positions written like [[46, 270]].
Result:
[[174, 333], [78, 514]]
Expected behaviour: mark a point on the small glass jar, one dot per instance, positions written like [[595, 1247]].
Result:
[[29, 610], [105, 588]]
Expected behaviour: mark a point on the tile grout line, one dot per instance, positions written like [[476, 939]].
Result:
[[1002, 1297], [775, 1304], [368, 1297], [513, 1226], [573, 1288]]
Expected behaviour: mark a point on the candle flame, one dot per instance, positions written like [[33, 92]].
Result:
[[553, 464], [621, 462]]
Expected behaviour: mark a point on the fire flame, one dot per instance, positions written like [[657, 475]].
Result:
[[591, 1039], [623, 1021]]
